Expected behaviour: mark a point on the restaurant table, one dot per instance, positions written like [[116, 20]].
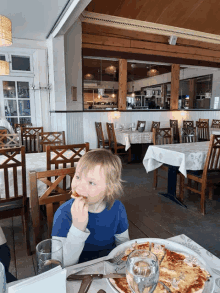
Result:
[[180, 157], [212, 261], [128, 137], [34, 162]]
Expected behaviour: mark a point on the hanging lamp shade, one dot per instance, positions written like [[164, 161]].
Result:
[[5, 31], [110, 70], [4, 67], [152, 72]]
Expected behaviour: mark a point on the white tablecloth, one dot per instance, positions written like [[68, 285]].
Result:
[[127, 137], [34, 161], [214, 131], [212, 261], [188, 156]]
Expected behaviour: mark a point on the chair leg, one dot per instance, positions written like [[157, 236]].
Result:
[[203, 200], [129, 155], [27, 234], [181, 194], [155, 178], [210, 192], [190, 184]]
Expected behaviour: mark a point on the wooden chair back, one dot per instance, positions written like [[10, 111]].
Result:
[[3, 131], [202, 131], [17, 126], [10, 140], [111, 134], [188, 135], [174, 125], [100, 135], [13, 200], [29, 138], [154, 125], [60, 156], [50, 138], [162, 136], [52, 197], [215, 123], [139, 124], [204, 120], [188, 123]]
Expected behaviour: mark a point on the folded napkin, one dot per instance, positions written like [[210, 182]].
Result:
[[142, 125], [53, 280]]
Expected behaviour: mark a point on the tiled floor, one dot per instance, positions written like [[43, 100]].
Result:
[[149, 214]]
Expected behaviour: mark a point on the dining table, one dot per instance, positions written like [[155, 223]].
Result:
[[98, 268], [179, 157], [34, 162]]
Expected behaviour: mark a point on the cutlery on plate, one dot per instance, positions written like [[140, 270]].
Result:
[[86, 283], [94, 276]]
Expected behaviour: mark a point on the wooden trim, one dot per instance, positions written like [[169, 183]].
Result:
[[192, 91], [175, 82], [122, 92]]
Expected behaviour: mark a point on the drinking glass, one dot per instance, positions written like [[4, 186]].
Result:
[[2, 279], [142, 271], [49, 255]]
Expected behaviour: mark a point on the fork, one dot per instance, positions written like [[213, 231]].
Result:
[[113, 260]]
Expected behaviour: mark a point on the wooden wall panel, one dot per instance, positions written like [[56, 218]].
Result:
[[175, 83], [122, 93]]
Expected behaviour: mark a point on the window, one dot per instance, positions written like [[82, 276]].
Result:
[[21, 63], [17, 102]]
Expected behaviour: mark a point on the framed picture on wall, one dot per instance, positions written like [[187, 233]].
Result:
[[74, 93]]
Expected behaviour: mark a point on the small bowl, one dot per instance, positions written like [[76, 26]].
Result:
[[140, 129]]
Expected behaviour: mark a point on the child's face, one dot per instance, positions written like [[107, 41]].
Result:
[[92, 186]]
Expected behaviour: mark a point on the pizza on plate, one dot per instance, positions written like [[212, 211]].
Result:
[[178, 272]]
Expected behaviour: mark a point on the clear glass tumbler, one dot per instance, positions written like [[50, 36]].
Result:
[[142, 271], [49, 255], [2, 279]]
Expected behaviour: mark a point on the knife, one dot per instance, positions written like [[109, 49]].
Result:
[[95, 276]]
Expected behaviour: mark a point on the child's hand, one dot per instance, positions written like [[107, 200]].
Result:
[[79, 212]]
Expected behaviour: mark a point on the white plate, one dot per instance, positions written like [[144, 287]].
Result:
[[173, 246]]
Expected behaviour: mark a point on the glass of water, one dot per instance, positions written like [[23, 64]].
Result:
[[142, 271], [49, 255]]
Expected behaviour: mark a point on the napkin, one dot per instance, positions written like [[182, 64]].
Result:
[[142, 125], [53, 280]]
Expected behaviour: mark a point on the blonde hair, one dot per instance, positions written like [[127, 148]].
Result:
[[111, 165]]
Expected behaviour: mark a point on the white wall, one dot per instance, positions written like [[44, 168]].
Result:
[[73, 65], [90, 118]]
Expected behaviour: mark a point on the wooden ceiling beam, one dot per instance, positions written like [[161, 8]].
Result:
[[116, 32], [104, 52], [134, 46]]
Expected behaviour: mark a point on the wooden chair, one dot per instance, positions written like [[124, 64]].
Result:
[[10, 140], [3, 131], [13, 203], [161, 136], [188, 123], [215, 123], [49, 138], [154, 125], [113, 145], [202, 131], [139, 124], [29, 138], [50, 199], [102, 143], [188, 135], [174, 125], [17, 126], [209, 175]]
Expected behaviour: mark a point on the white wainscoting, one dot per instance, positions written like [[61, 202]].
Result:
[[90, 118]]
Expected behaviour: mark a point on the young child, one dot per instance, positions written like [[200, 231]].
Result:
[[91, 225]]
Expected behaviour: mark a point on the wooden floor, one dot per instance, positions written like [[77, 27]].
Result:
[[149, 215]]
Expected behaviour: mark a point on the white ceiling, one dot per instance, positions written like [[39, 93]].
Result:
[[32, 19]]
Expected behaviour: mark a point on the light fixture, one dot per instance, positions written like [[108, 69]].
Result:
[[110, 70], [113, 93], [5, 31], [89, 76], [4, 67], [133, 93], [172, 40], [152, 72]]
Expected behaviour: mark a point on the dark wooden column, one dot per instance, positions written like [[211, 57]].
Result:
[[163, 92], [192, 91], [122, 85], [175, 83]]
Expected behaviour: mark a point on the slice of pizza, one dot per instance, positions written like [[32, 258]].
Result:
[[121, 285], [135, 246], [75, 195]]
